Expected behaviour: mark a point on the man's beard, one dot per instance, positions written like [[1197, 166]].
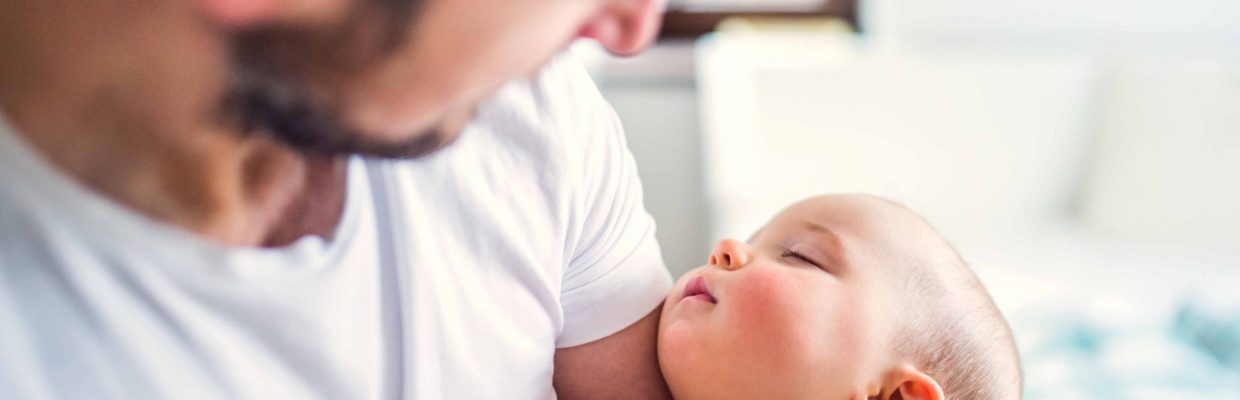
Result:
[[279, 78]]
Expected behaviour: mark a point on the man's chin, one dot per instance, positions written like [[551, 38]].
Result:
[[423, 143]]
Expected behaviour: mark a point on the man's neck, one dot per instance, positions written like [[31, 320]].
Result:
[[108, 106]]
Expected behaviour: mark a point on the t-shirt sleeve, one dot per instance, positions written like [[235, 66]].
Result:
[[615, 273]]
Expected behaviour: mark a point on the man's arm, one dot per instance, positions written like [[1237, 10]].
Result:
[[614, 273], [624, 365]]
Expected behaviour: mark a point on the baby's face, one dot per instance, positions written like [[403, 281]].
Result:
[[800, 311]]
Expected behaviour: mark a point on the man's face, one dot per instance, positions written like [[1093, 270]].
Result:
[[399, 78]]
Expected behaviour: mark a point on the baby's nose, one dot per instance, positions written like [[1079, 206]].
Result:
[[729, 254]]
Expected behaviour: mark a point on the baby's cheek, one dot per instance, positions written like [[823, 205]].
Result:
[[769, 316]]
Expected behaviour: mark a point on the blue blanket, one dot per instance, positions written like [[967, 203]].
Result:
[[1068, 354]]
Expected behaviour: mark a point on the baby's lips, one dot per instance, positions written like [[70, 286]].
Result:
[[697, 287]]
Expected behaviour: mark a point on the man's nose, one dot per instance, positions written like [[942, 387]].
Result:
[[730, 254]]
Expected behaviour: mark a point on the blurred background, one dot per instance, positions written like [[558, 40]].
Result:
[[1084, 157]]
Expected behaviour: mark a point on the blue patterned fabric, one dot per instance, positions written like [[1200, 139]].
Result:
[[1073, 355]]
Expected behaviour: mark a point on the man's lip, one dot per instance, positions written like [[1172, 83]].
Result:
[[696, 288]]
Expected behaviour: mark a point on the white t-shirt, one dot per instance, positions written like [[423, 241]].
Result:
[[455, 276]]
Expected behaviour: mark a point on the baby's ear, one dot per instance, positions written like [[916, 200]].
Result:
[[907, 383]]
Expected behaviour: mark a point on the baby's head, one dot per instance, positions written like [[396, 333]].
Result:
[[838, 297]]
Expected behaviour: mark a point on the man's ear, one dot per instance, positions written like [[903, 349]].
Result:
[[625, 27], [908, 383]]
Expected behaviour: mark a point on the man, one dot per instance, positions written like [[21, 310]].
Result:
[[320, 198]]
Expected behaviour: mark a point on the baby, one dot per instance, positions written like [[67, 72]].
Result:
[[837, 297]]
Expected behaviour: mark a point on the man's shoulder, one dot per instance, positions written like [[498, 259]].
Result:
[[559, 101], [530, 135], [545, 124], [562, 79], [541, 145]]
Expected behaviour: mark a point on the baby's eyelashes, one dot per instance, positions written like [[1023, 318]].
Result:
[[799, 256]]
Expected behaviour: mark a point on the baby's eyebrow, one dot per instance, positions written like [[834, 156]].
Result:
[[836, 251], [817, 227]]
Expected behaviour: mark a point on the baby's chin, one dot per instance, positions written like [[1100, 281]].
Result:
[[683, 338], [680, 358], [677, 332]]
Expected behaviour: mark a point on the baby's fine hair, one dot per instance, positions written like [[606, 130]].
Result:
[[954, 332]]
